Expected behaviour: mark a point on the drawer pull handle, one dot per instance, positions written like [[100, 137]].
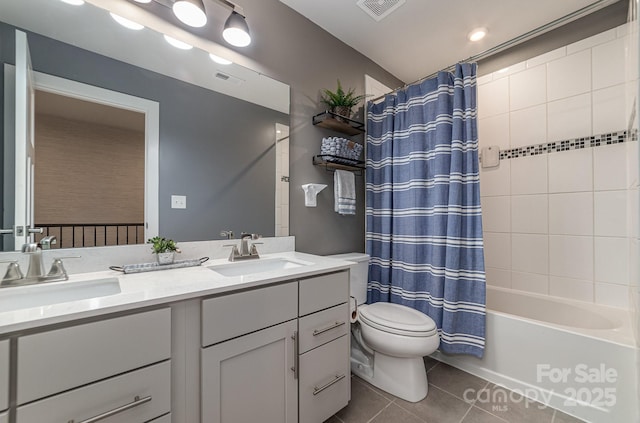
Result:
[[296, 357], [136, 402], [335, 325], [336, 379]]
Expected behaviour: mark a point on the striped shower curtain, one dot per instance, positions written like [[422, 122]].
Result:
[[424, 223]]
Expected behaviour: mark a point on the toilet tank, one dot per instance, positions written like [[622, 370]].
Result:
[[359, 272]]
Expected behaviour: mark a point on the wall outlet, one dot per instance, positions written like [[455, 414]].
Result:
[[178, 201]]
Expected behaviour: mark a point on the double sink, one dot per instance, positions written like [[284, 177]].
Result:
[[23, 297]]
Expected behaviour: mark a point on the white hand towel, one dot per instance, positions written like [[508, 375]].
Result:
[[344, 190]]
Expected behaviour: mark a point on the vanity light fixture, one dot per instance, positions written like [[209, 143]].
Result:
[[177, 43], [74, 2], [477, 34], [190, 12], [236, 30], [219, 60], [126, 22]]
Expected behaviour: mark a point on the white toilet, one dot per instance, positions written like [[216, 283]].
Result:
[[388, 340]]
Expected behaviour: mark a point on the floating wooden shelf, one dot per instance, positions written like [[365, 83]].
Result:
[[332, 163], [338, 123]]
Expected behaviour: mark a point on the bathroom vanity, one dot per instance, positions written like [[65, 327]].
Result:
[[185, 345]]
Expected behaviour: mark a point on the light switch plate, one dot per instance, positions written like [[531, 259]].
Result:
[[178, 201]]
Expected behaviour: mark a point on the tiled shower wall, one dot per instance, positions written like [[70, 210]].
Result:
[[561, 219]]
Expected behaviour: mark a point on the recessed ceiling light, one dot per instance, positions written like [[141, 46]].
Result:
[[74, 2], [143, 1], [477, 34], [178, 44], [219, 60], [190, 12], [126, 22]]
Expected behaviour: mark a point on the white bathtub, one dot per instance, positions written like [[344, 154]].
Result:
[[558, 351]]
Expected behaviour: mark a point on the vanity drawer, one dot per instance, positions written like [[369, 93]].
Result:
[[4, 375], [85, 353], [323, 292], [228, 316], [324, 326], [164, 419], [325, 381], [152, 382]]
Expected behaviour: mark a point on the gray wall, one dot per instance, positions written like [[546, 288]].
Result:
[[288, 47], [208, 150]]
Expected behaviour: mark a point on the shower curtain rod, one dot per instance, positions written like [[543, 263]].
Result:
[[515, 41]]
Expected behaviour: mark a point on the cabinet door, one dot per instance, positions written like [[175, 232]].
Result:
[[4, 375], [250, 378], [4, 417]]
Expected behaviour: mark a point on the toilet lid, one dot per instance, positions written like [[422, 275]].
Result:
[[399, 319]]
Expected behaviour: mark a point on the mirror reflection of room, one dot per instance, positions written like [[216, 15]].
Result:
[[93, 153]]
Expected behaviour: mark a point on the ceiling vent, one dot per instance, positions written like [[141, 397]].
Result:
[[380, 9]]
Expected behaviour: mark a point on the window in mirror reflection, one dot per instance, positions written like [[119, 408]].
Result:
[[95, 155]]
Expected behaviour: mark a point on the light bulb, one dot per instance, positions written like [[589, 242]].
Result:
[[190, 13], [236, 30]]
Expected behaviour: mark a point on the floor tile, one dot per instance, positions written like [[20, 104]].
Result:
[[455, 381], [385, 394], [395, 414], [478, 415], [513, 407], [364, 404], [561, 417], [438, 406], [429, 363]]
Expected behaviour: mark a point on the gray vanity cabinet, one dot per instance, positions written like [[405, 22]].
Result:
[[116, 367], [4, 417], [249, 370]]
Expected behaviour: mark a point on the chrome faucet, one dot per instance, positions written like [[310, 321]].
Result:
[[245, 252], [48, 241], [35, 272], [36, 266]]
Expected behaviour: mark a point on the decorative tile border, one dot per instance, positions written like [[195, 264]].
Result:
[[572, 144]]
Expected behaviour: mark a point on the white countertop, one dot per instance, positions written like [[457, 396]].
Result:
[[160, 287]]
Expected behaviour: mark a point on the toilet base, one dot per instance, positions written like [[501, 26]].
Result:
[[405, 378]]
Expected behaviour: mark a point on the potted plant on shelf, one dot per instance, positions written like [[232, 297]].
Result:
[[164, 249], [341, 102]]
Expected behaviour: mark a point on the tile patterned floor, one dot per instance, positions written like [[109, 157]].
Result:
[[446, 403]]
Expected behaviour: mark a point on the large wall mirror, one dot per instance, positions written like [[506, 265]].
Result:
[[132, 136]]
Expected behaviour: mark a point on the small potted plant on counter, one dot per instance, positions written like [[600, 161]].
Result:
[[341, 102], [164, 249]]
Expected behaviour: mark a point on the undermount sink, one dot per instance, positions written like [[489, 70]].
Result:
[[243, 268], [21, 297]]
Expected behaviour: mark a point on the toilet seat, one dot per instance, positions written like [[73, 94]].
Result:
[[397, 319]]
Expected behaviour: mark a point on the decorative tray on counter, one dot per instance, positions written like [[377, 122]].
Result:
[[151, 267]]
